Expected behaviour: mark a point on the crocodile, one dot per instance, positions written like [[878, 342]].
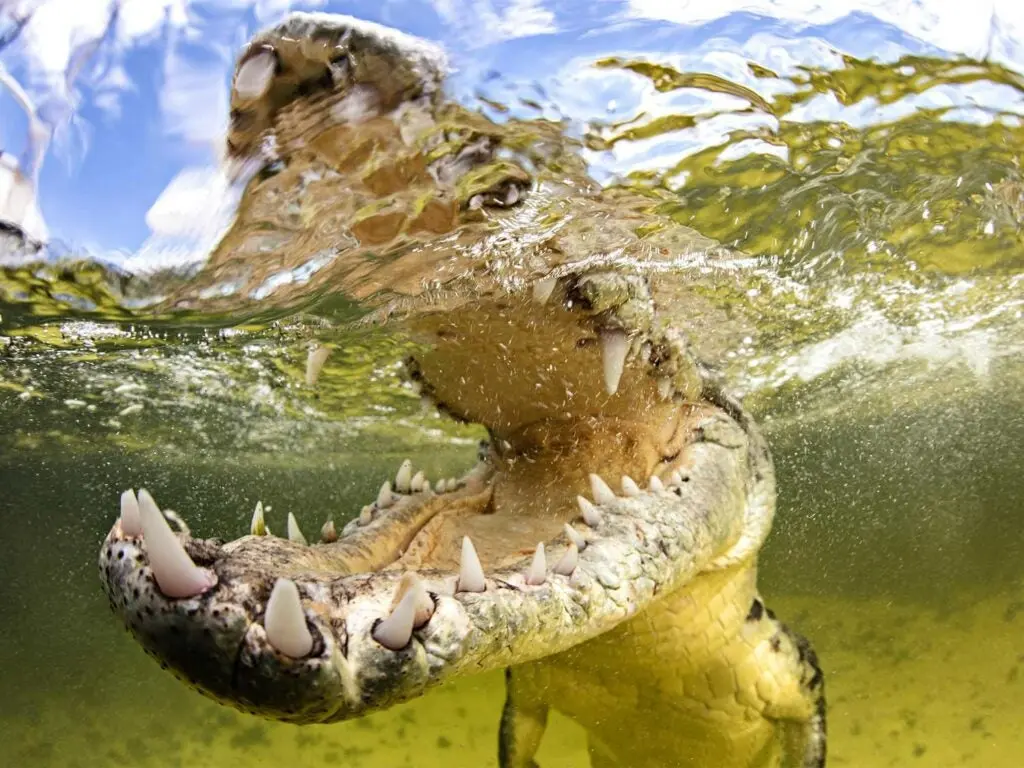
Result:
[[603, 549]]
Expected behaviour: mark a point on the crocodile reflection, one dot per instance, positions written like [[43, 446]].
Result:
[[603, 550]]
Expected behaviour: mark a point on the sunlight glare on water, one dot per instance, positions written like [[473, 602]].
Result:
[[827, 197]]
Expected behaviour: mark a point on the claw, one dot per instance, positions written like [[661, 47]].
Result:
[[285, 622]]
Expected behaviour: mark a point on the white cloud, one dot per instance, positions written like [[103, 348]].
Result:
[[480, 24], [971, 28]]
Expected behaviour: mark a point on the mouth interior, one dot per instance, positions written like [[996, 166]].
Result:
[[533, 376]]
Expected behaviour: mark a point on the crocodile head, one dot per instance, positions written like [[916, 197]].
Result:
[[616, 471]]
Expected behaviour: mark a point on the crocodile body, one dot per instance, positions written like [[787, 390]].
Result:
[[604, 548]]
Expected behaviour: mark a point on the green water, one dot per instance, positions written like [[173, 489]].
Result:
[[884, 360]]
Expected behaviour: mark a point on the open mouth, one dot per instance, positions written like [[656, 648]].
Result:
[[602, 487]]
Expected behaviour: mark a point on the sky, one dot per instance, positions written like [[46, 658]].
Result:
[[138, 123]]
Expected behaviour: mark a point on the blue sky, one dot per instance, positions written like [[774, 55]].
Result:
[[152, 100]]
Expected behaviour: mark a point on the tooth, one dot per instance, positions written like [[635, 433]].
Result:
[[575, 537], [285, 622], [131, 523], [675, 478], [568, 562], [629, 487], [537, 572], [542, 289], [424, 604], [599, 488], [366, 515], [614, 346], [453, 484], [294, 532], [328, 533], [441, 486], [655, 484], [416, 484], [258, 525], [471, 573], [255, 75], [590, 514], [664, 387], [403, 480], [384, 497], [173, 569], [314, 363], [395, 632]]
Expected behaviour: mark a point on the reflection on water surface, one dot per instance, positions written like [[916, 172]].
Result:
[[833, 213]]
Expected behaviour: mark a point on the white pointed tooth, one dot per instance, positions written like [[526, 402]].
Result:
[[471, 573], [366, 515], [575, 537], [131, 523], [536, 574], [258, 524], [173, 569], [629, 486], [543, 288], [614, 346], [452, 484], [315, 362], [568, 562], [655, 483], [254, 75], [426, 486], [328, 533], [664, 387], [395, 632], [403, 480], [591, 516], [442, 485], [285, 621], [294, 532], [599, 488], [424, 603], [384, 496], [416, 484], [675, 478]]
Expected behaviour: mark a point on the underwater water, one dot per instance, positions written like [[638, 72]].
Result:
[[860, 168]]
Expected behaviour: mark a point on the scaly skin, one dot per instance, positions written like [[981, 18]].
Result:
[[651, 636]]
